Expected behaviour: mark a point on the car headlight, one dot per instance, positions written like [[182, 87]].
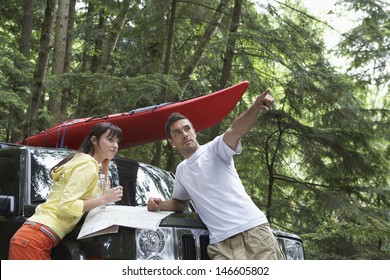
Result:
[[293, 249], [155, 244]]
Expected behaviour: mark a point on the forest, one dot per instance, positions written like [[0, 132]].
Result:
[[317, 163]]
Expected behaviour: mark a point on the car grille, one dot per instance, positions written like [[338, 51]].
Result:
[[193, 246]]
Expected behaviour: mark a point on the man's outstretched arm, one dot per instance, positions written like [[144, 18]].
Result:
[[245, 121]]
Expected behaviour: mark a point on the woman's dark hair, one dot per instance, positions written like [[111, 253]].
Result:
[[86, 146], [97, 131], [174, 117]]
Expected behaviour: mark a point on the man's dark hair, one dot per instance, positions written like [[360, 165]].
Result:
[[174, 117]]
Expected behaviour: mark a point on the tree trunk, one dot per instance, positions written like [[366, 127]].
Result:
[[27, 25], [157, 155], [88, 38], [18, 116], [170, 33], [60, 39], [271, 171], [171, 158], [110, 43], [201, 45], [31, 125], [68, 56], [229, 54], [99, 41], [231, 44]]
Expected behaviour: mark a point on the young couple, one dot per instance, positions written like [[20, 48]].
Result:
[[238, 228]]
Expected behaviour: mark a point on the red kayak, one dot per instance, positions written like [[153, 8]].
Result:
[[144, 125]]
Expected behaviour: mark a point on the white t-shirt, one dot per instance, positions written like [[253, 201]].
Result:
[[210, 179]]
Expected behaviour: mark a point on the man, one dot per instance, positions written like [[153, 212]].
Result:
[[238, 229]]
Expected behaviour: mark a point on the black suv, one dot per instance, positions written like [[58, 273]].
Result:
[[25, 183]]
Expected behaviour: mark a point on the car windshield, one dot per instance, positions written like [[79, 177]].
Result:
[[152, 182], [42, 161], [141, 180]]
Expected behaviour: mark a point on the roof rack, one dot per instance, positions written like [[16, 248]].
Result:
[[3, 145]]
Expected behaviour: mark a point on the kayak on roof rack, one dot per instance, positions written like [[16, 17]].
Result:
[[144, 125]]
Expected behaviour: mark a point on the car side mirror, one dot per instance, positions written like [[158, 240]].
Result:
[[7, 205]]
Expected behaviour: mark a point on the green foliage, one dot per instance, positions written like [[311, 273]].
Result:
[[14, 92], [368, 43], [99, 94]]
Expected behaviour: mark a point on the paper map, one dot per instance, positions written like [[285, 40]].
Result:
[[108, 220]]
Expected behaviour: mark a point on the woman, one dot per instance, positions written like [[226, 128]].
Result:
[[74, 192]]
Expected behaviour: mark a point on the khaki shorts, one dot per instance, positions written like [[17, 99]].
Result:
[[257, 243]]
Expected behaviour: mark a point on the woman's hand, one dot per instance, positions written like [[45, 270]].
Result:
[[111, 195]]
